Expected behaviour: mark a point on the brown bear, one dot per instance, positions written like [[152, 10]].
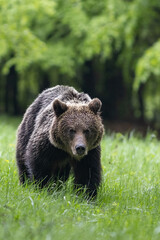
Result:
[[61, 130]]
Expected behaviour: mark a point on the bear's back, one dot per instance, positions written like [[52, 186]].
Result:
[[64, 93], [48, 95]]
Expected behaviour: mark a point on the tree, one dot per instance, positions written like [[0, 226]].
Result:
[[108, 48]]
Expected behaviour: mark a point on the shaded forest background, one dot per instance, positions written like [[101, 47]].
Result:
[[108, 48]]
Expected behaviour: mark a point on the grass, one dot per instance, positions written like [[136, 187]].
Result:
[[127, 206]]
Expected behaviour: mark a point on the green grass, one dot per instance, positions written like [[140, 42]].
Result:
[[127, 206]]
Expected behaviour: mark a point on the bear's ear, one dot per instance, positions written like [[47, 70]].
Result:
[[95, 105], [59, 107]]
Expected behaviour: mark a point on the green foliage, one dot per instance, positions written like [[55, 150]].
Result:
[[58, 37], [141, 55], [148, 74], [56, 33], [149, 65], [127, 206], [21, 46]]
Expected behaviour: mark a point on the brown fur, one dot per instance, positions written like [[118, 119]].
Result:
[[61, 130]]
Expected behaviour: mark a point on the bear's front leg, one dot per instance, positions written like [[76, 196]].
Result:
[[39, 171], [87, 171], [38, 161]]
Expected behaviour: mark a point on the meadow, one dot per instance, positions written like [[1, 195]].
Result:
[[127, 206]]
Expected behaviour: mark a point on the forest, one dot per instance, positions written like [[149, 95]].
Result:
[[108, 48]]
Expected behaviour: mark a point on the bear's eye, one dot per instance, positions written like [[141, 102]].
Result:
[[86, 132], [72, 131]]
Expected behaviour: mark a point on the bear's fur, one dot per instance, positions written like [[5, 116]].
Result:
[[60, 130]]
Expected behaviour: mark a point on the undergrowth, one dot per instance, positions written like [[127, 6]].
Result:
[[127, 206]]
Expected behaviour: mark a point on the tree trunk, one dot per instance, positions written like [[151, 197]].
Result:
[[11, 92], [6, 96], [141, 102], [44, 81], [88, 84]]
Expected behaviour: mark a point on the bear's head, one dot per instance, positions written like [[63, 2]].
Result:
[[76, 128]]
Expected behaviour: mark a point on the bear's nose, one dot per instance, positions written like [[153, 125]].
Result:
[[80, 149]]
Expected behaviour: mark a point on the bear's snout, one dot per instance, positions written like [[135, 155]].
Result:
[[79, 145], [80, 149]]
